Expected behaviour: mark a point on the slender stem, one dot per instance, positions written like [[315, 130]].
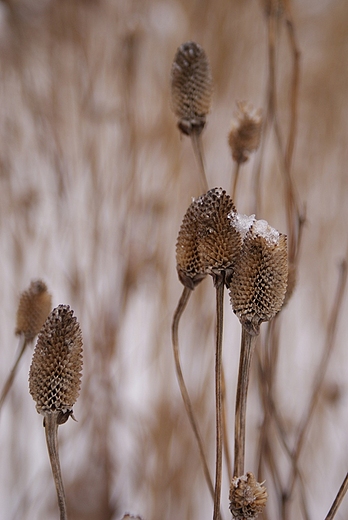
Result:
[[248, 343], [226, 443], [198, 150], [22, 346], [218, 395], [51, 431], [235, 181], [339, 497], [184, 393]]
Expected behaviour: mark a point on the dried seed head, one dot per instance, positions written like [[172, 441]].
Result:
[[245, 134], [191, 87], [247, 497], [207, 243], [55, 372], [259, 283], [34, 306]]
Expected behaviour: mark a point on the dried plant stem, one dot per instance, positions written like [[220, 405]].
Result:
[[51, 431], [226, 443], [198, 151], [22, 346], [318, 381], [235, 180], [294, 84], [339, 497], [248, 343], [219, 284], [184, 393]]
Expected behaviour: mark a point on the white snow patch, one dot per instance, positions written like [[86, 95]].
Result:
[[263, 229], [242, 223]]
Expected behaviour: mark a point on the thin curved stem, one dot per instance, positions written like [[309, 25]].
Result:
[[248, 343], [235, 181], [198, 151], [339, 497], [218, 395], [51, 431], [7, 386], [184, 393]]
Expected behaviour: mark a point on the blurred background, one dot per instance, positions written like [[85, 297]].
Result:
[[95, 179]]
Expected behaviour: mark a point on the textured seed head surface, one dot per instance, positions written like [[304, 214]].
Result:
[[245, 134], [258, 287], [34, 306], [191, 87], [55, 372], [247, 497], [207, 243], [219, 243]]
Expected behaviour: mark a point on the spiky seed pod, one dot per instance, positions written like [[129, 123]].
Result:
[[34, 306], [219, 243], [247, 497], [188, 261], [191, 87], [245, 134], [207, 243], [55, 372], [259, 283]]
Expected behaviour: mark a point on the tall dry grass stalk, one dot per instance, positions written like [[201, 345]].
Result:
[[94, 183]]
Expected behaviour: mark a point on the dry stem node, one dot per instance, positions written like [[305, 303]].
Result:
[[245, 134], [34, 306], [259, 283], [55, 372], [207, 243], [191, 87], [247, 497]]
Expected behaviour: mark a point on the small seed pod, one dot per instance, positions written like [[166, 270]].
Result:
[[245, 134], [259, 283], [219, 243], [34, 306], [55, 372], [207, 242], [247, 497], [191, 87]]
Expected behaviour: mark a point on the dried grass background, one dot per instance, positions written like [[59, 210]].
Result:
[[94, 182]]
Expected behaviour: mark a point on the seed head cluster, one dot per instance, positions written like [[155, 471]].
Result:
[[34, 306], [247, 497], [214, 238], [245, 133], [207, 243], [55, 372], [191, 87]]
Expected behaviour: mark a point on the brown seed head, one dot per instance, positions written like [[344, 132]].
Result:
[[207, 242], [55, 372], [245, 134], [247, 497], [259, 283], [191, 87], [34, 306]]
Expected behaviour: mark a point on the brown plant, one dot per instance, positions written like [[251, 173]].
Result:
[[55, 381]]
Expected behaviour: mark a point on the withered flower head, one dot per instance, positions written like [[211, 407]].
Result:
[[191, 87], [259, 283], [245, 134], [207, 243], [34, 306], [55, 372], [247, 497]]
